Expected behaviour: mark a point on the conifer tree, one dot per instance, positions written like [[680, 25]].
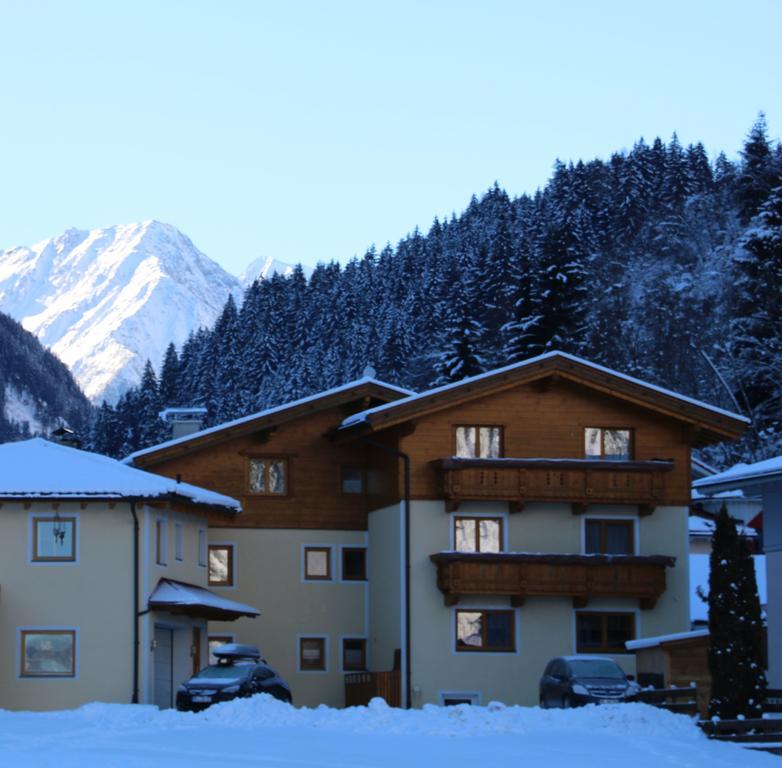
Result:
[[735, 628]]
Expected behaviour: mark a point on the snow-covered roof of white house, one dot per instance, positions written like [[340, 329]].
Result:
[[192, 600], [742, 476], [703, 526], [560, 362], [652, 642], [38, 468], [276, 411]]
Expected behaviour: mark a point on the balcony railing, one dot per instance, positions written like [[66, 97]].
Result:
[[577, 481], [580, 577]]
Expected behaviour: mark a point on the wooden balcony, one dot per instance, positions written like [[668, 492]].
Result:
[[577, 481], [362, 687], [580, 577]]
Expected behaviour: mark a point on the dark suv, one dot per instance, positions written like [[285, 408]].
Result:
[[570, 681], [240, 672]]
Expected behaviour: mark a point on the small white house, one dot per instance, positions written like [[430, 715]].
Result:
[[103, 579]]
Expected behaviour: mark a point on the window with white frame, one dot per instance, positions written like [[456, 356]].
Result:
[[47, 653], [54, 539], [179, 541], [202, 547], [161, 542]]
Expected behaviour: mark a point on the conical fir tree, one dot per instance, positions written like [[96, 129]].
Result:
[[737, 681]]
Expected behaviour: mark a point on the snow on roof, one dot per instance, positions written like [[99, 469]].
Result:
[[703, 526], [362, 416], [699, 577], [170, 593], [38, 468], [740, 474], [651, 642], [268, 412]]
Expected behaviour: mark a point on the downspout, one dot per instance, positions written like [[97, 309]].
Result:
[[406, 501], [136, 613]]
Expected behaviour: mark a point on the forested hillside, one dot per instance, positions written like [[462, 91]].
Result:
[[659, 262], [37, 392]]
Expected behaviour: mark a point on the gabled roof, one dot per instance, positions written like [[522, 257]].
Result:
[[39, 469], [717, 423], [360, 388], [742, 476]]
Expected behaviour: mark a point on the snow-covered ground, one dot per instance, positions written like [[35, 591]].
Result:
[[262, 731]]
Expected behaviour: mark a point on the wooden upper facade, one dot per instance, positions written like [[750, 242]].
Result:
[[316, 463]]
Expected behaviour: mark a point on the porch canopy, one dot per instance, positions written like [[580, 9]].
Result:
[[191, 600]]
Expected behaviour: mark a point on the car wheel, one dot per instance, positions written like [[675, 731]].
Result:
[[567, 702]]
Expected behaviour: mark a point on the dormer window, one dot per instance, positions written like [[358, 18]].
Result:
[[476, 442], [608, 443]]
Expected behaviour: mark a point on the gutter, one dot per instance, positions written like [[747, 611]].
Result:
[[406, 501], [136, 613]]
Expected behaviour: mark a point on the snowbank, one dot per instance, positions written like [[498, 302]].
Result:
[[263, 731]]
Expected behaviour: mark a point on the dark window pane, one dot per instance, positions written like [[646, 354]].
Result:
[[499, 630], [619, 538], [353, 654], [619, 629], [354, 564], [589, 630], [592, 541]]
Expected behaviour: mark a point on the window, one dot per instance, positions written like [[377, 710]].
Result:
[[161, 542], [354, 564], [354, 654], [215, 641], [312, 654], [202, 548], [179, 542], [352, 480], [317, 563], [48, 653], [221, 565], [604, 632], [269, 476], [477, 534], [479, 442], [609, 444], [455, 698], [609, 537], [54, 539], [485, 631]]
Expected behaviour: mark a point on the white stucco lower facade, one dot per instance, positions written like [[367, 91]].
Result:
[[269, 574], [544, 627]]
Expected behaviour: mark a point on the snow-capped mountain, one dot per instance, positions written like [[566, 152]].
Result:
[[105, 300], [264, 268]]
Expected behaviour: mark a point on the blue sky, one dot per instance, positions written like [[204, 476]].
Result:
[[309, 130]]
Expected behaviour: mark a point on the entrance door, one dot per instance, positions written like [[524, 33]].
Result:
[[164, 667]]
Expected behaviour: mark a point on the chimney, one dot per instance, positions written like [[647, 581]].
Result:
[[184, 421]]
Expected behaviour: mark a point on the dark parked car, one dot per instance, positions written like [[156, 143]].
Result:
[[240, 672], [570, 681]]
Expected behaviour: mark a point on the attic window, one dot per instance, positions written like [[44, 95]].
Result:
[[269, 476], [608, 443], [474, 442]]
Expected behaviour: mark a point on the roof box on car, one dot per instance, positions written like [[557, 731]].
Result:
[[236, 651]]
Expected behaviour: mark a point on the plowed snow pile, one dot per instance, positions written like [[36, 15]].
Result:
[[263, 731]]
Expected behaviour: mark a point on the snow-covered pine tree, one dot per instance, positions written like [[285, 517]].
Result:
[[737, 680]]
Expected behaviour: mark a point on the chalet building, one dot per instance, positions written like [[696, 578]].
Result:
[[103, 579], [443, 546]]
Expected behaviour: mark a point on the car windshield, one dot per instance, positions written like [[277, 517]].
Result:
[[596, 668], [225, 671]]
